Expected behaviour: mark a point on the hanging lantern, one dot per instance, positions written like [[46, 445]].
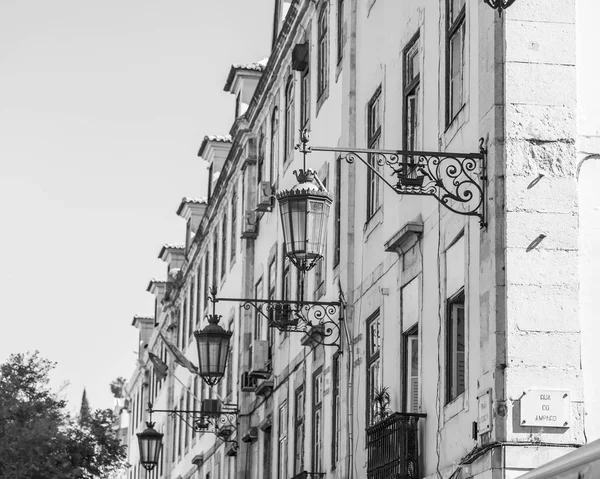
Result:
[[213, 350], [150, 443], [499, 4], [304, 213]]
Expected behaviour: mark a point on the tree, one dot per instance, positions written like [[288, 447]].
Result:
[[84, 410], [117, 387], [38, 439]]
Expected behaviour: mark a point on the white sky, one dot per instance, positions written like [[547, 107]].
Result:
[[103, 106]]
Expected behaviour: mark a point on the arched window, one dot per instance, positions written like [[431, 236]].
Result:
[[274, 143], [289, 120]]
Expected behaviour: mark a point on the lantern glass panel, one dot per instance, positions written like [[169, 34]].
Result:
[[298, 226], [150, 444]]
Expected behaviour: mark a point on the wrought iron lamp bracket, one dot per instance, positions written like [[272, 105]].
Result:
[[457, 180], [318, 319], [222, 424]]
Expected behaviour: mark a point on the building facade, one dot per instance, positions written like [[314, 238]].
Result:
[[465, 342]]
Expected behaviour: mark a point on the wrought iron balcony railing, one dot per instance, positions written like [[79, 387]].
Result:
[[309, 475], [393, 447]]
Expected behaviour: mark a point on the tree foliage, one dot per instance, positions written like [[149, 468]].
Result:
[[117, 387], [38, 439]]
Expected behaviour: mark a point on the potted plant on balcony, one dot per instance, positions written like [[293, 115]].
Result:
[[381, 399]]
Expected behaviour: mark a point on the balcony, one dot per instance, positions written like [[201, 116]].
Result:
[[393, 447], [309, 475]]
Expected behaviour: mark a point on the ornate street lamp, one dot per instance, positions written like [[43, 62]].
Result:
[[499, 4], [304, 214], [213, 348], [150, 443]]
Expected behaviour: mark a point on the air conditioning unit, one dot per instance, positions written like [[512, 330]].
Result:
[[250, 225], [259, 355], [264, 197], [211, 407], [248, 382]]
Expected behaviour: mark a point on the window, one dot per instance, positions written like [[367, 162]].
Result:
[[317, 403], [258, 317], [272, 287], [455, 57], [274, 143], [233, 236], [174, 445], [410, 112], [199, 298], [411, 371], [215, 256], [190, 293], [373, 142], [206, 282], [282, 447], [373, 354], [340, 30], [337, 223], [323, 53], [182, 428], [224, 245], [305, 98], [336, 425], [286, 284], [299, 431], [260, 173], [229, 377], [193, 294], [455, 346], [184, 322], [237, 105], [195, 402], [266, 454], [187, 429], [289, 121]]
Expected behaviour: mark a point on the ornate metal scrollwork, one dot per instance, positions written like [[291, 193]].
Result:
[[456, 180], [499, 4], [222, 424], [319, 320]]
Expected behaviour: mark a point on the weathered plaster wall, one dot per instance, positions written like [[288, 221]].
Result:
[[588, 125], [540, 249]]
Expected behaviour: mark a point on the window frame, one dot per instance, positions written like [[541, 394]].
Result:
[[282, 440], [373, 365], [374, 135], [456, 26], [258, 317], [340, 30], [305, 97], [453, 387], [233, 220], [215, 260], [337, 212], [336, 413], [322, 51], [299, 427], [288, 152], [409, 335], [224, 245], [274, 153], [317, 415]]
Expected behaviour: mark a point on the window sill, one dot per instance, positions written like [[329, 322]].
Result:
[[456, 124], [339, 68], [322, 98], [455, 406], [372, 223]]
